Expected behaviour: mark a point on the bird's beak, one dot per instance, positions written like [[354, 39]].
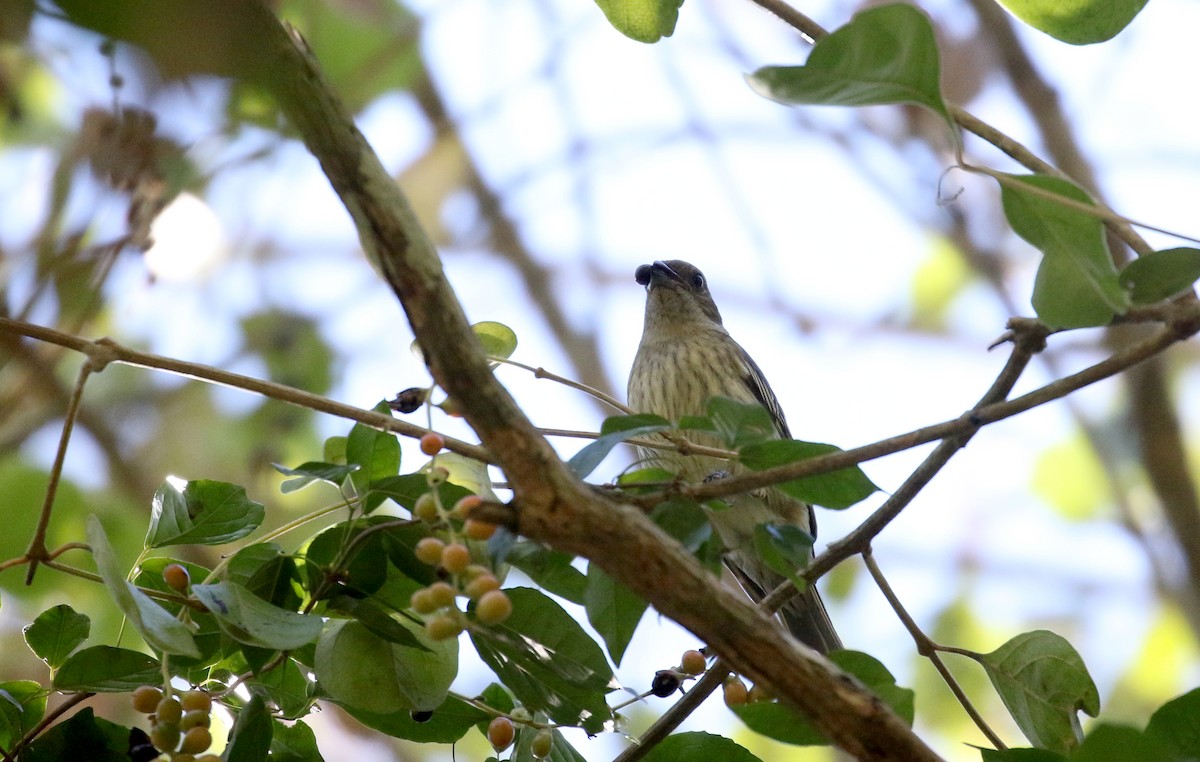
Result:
[[655, 275]]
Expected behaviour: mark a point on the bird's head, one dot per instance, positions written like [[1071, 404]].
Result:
[[677, 295]]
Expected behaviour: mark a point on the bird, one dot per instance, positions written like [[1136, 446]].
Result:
[[686, 356]]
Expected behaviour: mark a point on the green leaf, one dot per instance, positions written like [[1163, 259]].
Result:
[[886, 54], [547, 660], [376, 619], [780, 722], [204, 512], [740, 423], [377, 453], [22, 705], [621, 429], [698, 747], [294, 743], [1044, 683], [1161, 275], [265, 570], [1020, 755], [449, 722], [288, 688], [250, 739], [104, 741], [613, 610], [550, 569], [365, 569], [784, 548], [836, 490], [405, 490], [642, 20], [249, 619], [361, 670], [498, 340], [157, 627], [1077, 284], [105, 669], [1174, 724], [1079, 22], [57, 632], [1106, 742], [312, 472]]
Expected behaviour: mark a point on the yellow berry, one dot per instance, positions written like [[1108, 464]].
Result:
[[196, 740], [501, 733], [493, 607], [444, 627], [165, 736], [196, 700], [484, 583], [429, 550], [422, 602], [455, 558], [693, 662], [441, 594], [195, 718], [146, 698], [542, 743], [735, 693], [169, 710], [183, 758], [437, 476], [432, 443], [426, 508]]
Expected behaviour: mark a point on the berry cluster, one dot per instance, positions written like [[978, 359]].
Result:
[[178, 725], [501, 733], [452, 558]]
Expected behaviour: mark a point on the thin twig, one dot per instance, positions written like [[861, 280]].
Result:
[[36, 552], [542, 373], [118, 353], [679, 711], [927, 648]]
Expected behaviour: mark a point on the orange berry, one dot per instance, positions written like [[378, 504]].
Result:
[[456, 558], [146, 698], [432, 443], [758, 693], [484, 583], [493, 607], [444, 627], [501, 733], [441, 594], [176, 577], [426, 508], [479, 530], [463, 507], [735, 693], [693, 662], [429, 550]]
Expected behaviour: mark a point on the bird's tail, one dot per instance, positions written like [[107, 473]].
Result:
[[804, 614]]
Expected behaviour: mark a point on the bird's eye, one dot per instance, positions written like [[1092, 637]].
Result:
[[697, 281]]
